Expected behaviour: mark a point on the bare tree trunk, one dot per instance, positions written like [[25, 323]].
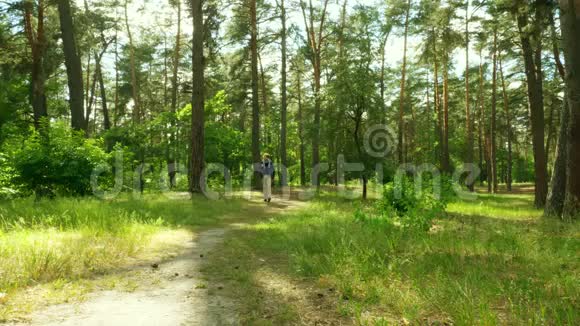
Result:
[[445, 155], [37, 42], [300, 118], [73, 66], [171, 160], [402, 101], [536, 98], [106, 118], [468, 122], [570, 18], [509, 129], [437, 103], [382, 82], [134, 83], [493, 144], [284, 104], [117, 111], [481, 125], [197, 102], [315, 43], [255, 93], [557, 191]]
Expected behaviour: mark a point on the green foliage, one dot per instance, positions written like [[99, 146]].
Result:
[[7, 173], [412, 207], [58, 163]]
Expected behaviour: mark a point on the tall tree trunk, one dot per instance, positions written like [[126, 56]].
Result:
[[401, 147], [536, 98], [37, 42], [446, 167], [106, 117], [550, 132], [73, 66], [284, 104], [134, 83], [171, 159], [570, 17], [468, 122], [265, 107], [198, 100], [557, 191], [315, 41], [382, 81], [493, 144], [509, 129], [255, 92], [437, 104], [301, 130], [481, 124], [117, 111]]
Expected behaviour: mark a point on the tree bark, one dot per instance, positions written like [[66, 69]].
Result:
[[301, 130], [255, 92], [445, 161], [171, 159], [134, 82], [106, 117], [481, 124], [536, 98], [493, 144], [284, 100], [37, 42], [73, 66], [198, 100], [570, 22], [509, 129], [557, 191], [315, 43], [401, 146], [468, 122]]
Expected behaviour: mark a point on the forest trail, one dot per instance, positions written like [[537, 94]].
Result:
[[185, 297]]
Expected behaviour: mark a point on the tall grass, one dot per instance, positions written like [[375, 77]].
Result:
[[75, 238], [477, 267]]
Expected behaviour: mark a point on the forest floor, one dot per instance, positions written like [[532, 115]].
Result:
[[492, 260]]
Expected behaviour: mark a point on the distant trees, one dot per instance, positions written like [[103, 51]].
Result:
[[307, 93]]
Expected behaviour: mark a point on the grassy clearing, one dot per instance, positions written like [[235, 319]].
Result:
[[57, 247], [492, 261]]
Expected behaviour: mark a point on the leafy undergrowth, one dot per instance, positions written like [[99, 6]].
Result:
[[56, 247], [511, 268]]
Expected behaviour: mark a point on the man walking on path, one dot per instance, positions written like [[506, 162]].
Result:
[[267, 174]]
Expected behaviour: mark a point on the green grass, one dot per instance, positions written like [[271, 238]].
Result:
[[71, 240], [514, 207], [492, 261]]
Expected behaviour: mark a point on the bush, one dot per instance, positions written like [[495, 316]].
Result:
[[60, 164], [415, 209], [7, 173]]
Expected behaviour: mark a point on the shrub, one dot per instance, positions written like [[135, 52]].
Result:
[[7, 173], [61, 163], [415, 208]]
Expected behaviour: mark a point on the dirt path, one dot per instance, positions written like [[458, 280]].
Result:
[[183, 298]]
